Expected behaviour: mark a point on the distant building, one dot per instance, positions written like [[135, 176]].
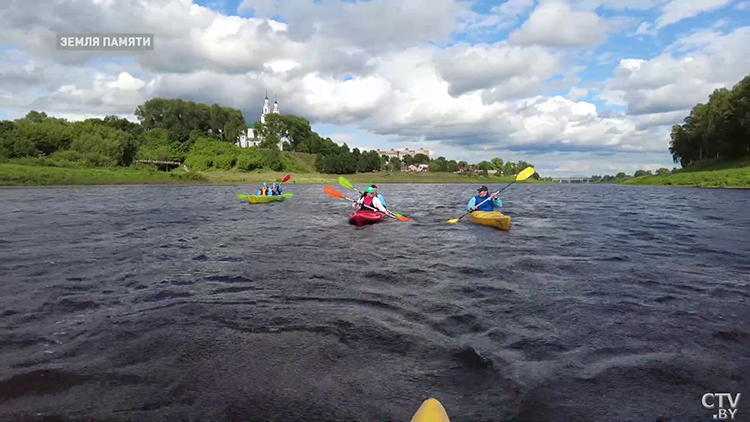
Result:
[[249, 138], [400, 154], [418, 167]]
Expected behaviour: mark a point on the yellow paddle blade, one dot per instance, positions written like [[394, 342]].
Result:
[[525, 174], [452, 221], [430, 411]]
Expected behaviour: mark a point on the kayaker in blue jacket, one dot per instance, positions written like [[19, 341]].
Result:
[[489, 206], [264, 191], [379, 196]]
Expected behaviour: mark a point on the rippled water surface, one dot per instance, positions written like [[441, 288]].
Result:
[[181, 303]]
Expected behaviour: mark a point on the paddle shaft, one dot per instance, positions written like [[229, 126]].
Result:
[[365, 206]]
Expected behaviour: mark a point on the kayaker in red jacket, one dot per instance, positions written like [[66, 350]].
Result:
[[369, 202]]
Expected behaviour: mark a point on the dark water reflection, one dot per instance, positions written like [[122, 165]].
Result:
[[166, 303]]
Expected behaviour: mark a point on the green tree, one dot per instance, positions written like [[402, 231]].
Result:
[[717, 129], [662, 171], [269, 142], [181, 117], [452, 166], [438, 165], [395, 164], [408, 160], [36, 117], [367, 161], [463, 164], [298, 130], [421, 159], [155, 145], [47, 135], [498, 164], [621, 175], [485, 166], [640, 173], [103, 146]]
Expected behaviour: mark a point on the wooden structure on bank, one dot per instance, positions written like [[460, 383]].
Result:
[[167, 165]]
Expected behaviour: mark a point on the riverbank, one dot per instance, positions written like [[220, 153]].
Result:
[[24, 175], [706, 174], [28, 175]]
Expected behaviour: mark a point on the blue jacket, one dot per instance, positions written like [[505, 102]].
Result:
[[487, 206], [382, 201]]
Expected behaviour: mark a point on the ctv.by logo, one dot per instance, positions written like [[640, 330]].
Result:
[[709, 402]]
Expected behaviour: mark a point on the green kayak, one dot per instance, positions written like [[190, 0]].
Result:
[[261, 199], [257, 199]]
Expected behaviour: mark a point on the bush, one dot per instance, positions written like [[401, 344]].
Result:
[[104, 146], [272, 159], [224, 162], [207, 153], [291, 165], [68, 158], [199, 162], [249, 160], [24, 147]]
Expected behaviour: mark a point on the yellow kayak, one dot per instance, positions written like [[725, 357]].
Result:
[[430, 411], [493, 219]]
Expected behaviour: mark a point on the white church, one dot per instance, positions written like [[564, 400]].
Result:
[[249, 138]]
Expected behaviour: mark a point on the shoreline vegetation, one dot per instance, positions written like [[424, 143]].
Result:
[[712, 147], [23, 175], [204, 142], [715, 173]]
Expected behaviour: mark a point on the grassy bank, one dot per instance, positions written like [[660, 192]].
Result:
[[29, 175], [24, 175], [706, 174]]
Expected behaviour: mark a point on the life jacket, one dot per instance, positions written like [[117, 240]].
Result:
[[488, 206], [367, 201], [263, 190]]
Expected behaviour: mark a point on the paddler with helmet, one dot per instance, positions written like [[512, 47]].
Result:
[[265, 190], [369, 202]]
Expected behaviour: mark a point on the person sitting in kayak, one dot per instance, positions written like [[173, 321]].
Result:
[[379, 196], [276, 190], [369, 202], [489, 206], [264, 191]]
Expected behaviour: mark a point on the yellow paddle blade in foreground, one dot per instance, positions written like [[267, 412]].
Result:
[[525, 174], [430, 411]]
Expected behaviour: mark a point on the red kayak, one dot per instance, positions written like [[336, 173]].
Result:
[[361, 218]]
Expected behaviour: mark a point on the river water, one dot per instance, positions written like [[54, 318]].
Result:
[[181, 303]]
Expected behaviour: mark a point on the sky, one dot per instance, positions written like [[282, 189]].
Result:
[[575, 87]]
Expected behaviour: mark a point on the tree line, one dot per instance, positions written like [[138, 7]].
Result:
[[717, 129], [203, 137]]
